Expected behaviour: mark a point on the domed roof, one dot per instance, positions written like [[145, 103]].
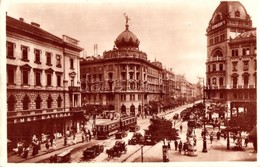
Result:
[[127, 39], [229, 10]]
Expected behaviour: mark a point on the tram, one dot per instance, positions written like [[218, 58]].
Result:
[[107, 129]]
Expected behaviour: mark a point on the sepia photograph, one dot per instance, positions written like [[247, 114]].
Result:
[[170, 82]]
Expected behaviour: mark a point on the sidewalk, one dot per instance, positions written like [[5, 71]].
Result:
[[13, 158]]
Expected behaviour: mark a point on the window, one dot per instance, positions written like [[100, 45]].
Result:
[[222, 37], [10, 50], [26, 102], [10, 75], [221, 81], [246, 79], [72, 82], [123, 97], [25, 77], [208, 68], [48, 59], [234, 82], [246, 66], [49, 102], [214, 67], [211, 41], [220, 67], [59, 100], [214, 82], [25, 53], [72, 64], [244, 51], [37, 56], [255, 50], [38, 102], [234, 52], [58, 80], [234, 66], [38, 78], [132, 97], [49, 78], [11, 103], [216, 39], [58, 57]]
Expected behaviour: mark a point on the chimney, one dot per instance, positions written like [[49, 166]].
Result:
[[35, 24], [21, 19]]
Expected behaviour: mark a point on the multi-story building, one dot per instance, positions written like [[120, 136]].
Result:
[[231, 57], [43, 81], [122, 78]]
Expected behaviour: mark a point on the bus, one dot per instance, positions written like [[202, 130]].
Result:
[[109, 128]]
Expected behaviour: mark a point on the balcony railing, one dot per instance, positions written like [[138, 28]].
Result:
[[216, 59]]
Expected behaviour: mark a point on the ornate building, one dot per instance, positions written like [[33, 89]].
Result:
[[43, 82], [123, 78], [231, 58]]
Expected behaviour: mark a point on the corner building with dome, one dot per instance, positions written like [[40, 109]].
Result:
[[231, 58], [123, 79]]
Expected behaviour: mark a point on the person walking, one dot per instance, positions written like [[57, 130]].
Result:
[[89, 134], [181, 128], [246, 141], [176, 145], [218, 135], [169, 145], [180, 146], [47, 145], [211, 138]]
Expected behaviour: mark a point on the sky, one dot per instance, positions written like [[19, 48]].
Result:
[[170, 31]]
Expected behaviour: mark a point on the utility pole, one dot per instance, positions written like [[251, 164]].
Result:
[[204, 136]]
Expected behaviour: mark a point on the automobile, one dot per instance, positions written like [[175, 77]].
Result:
[[120, 134], [119, 148], [62, 157], [134, 128], [137, 138], [93, 151]]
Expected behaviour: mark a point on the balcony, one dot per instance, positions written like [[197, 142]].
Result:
[[216, 59], [210, 87], [74, 89]]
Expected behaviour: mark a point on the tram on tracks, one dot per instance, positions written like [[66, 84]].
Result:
[[106, 129]]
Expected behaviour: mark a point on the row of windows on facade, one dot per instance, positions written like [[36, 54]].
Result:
[[245, 51], [245, 65], [234, 95], [217, 39], [10, 49], [234, 80], [111, 98], [25, 75], [11, 101]]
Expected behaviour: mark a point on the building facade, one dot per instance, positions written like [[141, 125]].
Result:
[[231, 58], [43, 81], [122, 78]]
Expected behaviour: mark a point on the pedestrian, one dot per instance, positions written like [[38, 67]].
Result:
[[225, 135], [246, 141], [218, 135], [89, 134], [169, 145], [47, 145], [176, 145], [180, 146], [211, 138], [82, 136], [74, 138], [234, 138], [181, 128]]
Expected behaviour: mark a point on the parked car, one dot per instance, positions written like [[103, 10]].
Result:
[[62, 157], [117, 149], [93, 151], [134, 128], [137, 138], [121, 134]]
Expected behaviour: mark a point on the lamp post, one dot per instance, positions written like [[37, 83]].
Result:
[[204, 120]]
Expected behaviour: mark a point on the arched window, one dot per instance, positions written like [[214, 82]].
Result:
[[218, 53], [38, 102], [59, 100], [49, 102], [214, 81], [26, 102], [132, 110], [123, 109], [11, 103]]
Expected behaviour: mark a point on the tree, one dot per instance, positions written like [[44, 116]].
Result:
[[161, 129]]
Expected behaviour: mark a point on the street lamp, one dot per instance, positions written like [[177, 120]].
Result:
[[204, 120]]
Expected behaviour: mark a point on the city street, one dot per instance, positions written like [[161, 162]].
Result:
[[215, 150]]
